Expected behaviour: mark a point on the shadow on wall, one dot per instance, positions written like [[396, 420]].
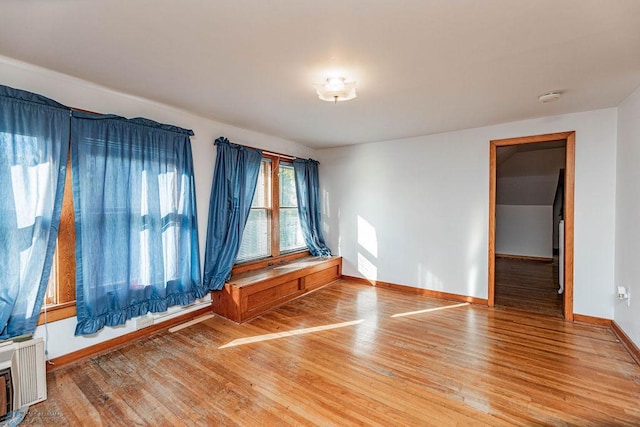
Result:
[[435, 266], [367, 249], [428, 280], [477, 250], [326, 216]]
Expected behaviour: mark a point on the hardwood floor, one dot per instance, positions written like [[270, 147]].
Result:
[[528, 285], [352, 354]]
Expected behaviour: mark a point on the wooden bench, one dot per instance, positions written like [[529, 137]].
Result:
[[250, 294]]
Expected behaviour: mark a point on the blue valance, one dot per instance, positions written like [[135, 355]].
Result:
[[137, 121], [18, 95]]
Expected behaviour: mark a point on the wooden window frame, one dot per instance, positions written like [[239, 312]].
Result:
[[274, 222], [64, 305]]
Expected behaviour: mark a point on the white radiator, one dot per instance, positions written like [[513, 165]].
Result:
[[32, 374], [29, 377], [561, 257]]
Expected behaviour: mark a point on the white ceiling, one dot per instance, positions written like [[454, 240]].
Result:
[[421, 66]]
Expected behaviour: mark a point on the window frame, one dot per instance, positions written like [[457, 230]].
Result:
[[267, 207], [280, 209], [274, 219], [63, 275]]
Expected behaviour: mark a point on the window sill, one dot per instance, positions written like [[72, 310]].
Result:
[[266, 262], [58, 312]]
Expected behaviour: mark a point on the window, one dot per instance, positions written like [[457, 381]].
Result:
[[273, 226], [137, 239]]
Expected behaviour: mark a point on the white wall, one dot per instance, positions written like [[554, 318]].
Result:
[[415, 211], [526, 190], [524, 230], [81, 94], [627, 269], [528, 177]]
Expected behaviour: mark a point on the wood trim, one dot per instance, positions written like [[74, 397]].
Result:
[[493, 166], [592, 320], [569, 186], [66, 280], [631, 347], [570, 139], [268, 262], [58, 312], [265, 153], [547, 137], [420, 291], [112, 344], [275, 206], [525, 257], [65, 259]]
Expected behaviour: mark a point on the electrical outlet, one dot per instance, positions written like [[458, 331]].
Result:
[[624, 294], [143, 322]]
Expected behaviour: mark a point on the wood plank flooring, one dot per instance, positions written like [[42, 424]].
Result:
[[352, 354], [528, 285]]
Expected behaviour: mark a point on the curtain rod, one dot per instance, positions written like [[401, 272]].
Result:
[[270, 153], [83, 111], [283, 156]]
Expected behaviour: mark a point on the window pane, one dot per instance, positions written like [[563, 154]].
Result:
[[50, 296], [290, 232], [263, 187], [288, 197], [291, 237], [256, 239]]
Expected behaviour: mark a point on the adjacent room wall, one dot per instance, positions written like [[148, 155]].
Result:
[[415, 211], [526, 186], [627, 267], [524, 230], [81, 94]]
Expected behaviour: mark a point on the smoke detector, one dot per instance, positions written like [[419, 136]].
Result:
[[549, 97]]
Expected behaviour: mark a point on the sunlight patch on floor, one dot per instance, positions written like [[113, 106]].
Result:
[[428, 310], [276, 335]]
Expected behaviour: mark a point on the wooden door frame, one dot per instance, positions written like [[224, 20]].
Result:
[[570, 149]]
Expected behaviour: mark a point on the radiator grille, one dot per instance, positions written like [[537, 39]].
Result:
[[32, 380]]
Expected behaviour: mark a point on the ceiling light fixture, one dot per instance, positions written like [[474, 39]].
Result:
[[336, 89], [549, 97]]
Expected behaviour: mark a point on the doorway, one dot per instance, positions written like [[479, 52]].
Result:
[[566, 264]]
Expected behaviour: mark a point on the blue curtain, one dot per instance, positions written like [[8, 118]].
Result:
[[234, 182], [308, 192], [135, 213], [34, 141]]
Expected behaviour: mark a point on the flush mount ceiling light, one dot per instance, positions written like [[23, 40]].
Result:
[[549, 97], [336, 89]]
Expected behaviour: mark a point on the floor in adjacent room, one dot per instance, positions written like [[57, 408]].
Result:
[[528, 285], [352, 354]]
